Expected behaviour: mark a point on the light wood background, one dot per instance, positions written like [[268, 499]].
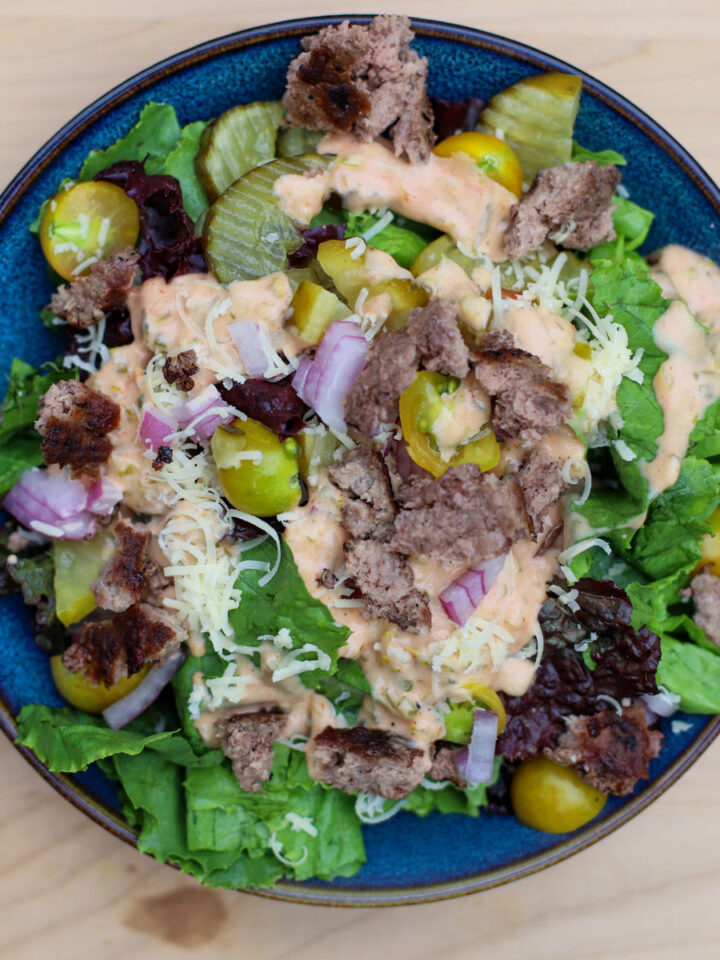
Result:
[[68, 890]]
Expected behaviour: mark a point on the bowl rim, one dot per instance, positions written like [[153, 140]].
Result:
[[82, 797]]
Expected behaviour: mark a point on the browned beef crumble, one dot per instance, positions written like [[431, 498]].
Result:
[[122, 581], [386, 583], [120, 646], [391, 367], [610, 751], [444, 766], [527, 402], [706, 594], [466, 515], [369, 511], [542, 485], [369, 760], [435, 332], [248, 739], [85, 301], [577, 195], [363, 80], [328, 579], [181, 369], [74, 422]]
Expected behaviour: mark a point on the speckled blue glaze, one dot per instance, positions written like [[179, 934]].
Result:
[[409, 860]]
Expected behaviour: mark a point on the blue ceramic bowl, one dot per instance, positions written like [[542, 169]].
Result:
[[409, 860]]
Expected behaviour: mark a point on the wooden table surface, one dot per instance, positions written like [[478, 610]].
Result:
[[70, 891]]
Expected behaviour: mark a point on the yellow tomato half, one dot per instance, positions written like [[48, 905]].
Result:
[[80, 693], [86, 222], [493, 156], [550, 797]]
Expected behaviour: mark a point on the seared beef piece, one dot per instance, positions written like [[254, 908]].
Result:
[[706, 594], [362, 80], [181, 369], [328, 579], [85, 301], [527, 403], [576, 195], [444, 766], [610, 751], [466, 515], [125, 578], [370, 509], [74, 422], [247, 739], [386, 583], [542, 485], [369, 760], [119, 647], [434, 330], [391, 367]]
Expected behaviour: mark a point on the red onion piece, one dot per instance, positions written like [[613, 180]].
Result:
[[156, 427], [148, 690], [51, 503], [248, 339], [103, 496], [663, 704], [461, 598], [324, 382], [208, 402], [476, 761]]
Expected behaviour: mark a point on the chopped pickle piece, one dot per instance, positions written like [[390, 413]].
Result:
[[314, 309], [442, 247], [77, 564], [238, 141], [536, 117], [317, 450], [459, 719], [246, 234], [404, 296]]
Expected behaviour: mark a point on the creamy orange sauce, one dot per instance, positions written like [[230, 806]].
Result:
[[450, 193], [448, 281], [689, 276]]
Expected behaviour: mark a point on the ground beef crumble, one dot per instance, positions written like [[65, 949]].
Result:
[[372, 403], [373, 761], [386, 583], [129, 576], [85, 301], [369, 511], [706, 594], [74, 422], [542, 485], [363, 80], [435, 332], [248, 739]]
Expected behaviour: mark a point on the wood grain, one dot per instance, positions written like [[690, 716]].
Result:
[[70, 891]]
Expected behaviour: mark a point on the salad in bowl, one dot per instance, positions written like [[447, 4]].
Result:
[[378, 473]]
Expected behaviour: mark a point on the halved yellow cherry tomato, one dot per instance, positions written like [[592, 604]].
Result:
[[420, 406], [493, 156], [459, 719], [86, 222], [710, 545], [80, 693], [550, 797]]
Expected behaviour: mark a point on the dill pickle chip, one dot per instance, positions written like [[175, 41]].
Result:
[[240, 139], [246, 234], [293, 141], [536, 117], [314, 309]]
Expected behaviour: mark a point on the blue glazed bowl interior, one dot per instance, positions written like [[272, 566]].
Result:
[[409, 859]]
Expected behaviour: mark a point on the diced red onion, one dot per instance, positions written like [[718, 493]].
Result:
[[191, 412], [461, 598], [120, 713], [51, 503], [156, 427], [248, 339], [103, 496], [476, 761], [663, 704], [324, 382]]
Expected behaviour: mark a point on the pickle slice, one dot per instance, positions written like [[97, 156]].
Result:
[[240, 139], [536, 117], [404, 295], [246, 234], [314, 309], [294, 141]]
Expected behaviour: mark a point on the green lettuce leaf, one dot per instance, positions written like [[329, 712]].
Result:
[[632, 223], [284, 603], [582, 155], [155, 134], [180, 163], [19, 441], [345, 689], [402, 244], [692, 673], [705, 438]]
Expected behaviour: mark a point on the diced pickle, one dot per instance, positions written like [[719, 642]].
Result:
[[246, 234], [294, 141], [442, 247], [314, 309], [77, 564], [404, 295], [536, 117], [238, 141], [317, 450]]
